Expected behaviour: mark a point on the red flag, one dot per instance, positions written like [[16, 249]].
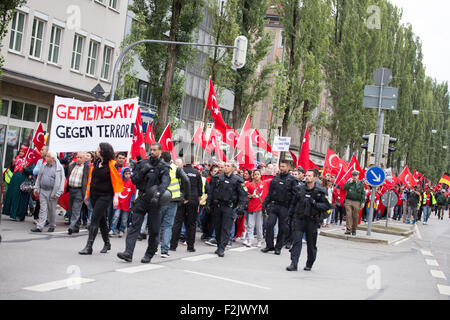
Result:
[[294, 157], [39, 138], [232, 136], [244, 144], [354, 165], [260, 141], [166, 142], [149, 136], [312, 165], [406, 177], [213, 145], [303, 159], [327, 172], [32, 157], [63, 200], [199, 137], [213, 105], [347, 176], [332, 161], [137, 146]]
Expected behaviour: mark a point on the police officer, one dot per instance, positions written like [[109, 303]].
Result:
[[281, 191], [306, 211], [225, 193], [151, 177]]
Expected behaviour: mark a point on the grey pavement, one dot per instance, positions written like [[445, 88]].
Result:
[[343, 269]]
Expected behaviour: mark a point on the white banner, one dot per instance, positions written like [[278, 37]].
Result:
[[281, 144], [81, 126]]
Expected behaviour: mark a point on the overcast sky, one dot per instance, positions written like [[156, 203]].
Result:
[[430, 20]]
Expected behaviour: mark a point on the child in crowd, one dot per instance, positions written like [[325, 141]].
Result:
[[125, 201]]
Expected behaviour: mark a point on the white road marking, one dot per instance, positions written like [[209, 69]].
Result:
[[201, 257], [61, 232], [140, 268], [401, 241], [426, 253], [227, 279], [54, 285], [418, 232], [242, 249], [432, 262], [438, 274], [444, 289]]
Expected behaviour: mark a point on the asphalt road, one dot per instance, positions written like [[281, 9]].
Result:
[[47, 266]]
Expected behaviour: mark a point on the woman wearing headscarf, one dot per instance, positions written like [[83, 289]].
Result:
[[16, 201], [104, 187]]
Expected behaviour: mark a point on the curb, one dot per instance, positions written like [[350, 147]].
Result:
[[395, 233], [355, 238]]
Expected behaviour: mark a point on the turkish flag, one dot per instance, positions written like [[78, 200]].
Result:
[[166, 142], [354, 165], [137, 146], [294, 157], [149, 136], [213, 145], [259, 140], [199, 137], [63, 200], [303, 159], [406, 177], [347, 176], [332, 161], [327, 172], [32, 157], [232, 137], [418, 176], [213, 105], [312, 165], [39, 137], [244, 144]]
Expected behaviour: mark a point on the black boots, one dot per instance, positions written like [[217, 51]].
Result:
[[92, 234], [105, 238]]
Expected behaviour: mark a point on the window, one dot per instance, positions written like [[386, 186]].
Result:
[[4, 108], [92, 57], [42, 115], [37, 34], [107, 54], [29, 112], [76, 52], [17, 26], [17, 110], [113, 4], [55, 43], [100, 1]]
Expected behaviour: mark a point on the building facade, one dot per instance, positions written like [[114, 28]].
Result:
[[64, 48]]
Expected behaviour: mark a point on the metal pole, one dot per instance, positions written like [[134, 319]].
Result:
[[127, 48], [380, 124], [388, 208]]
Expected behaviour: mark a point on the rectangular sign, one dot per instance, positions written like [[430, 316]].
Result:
[[281, 144], [81, 126], [372, 95]]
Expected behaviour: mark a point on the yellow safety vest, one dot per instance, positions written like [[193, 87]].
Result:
[[8, 176], [174, 186]]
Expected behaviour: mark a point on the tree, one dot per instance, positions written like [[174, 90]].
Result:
[[166, 20]]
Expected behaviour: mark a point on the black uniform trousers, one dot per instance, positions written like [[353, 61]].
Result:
[[153, 226], [309, 228], [222, 217], [281, 213], [186, 213]]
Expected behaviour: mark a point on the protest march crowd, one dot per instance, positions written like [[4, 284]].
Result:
[[168, 198]]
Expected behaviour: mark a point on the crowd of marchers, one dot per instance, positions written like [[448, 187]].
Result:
[[269, 206]]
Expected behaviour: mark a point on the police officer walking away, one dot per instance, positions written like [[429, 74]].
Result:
[[225, 193], [306, 210], [151, 177], [281, 191]]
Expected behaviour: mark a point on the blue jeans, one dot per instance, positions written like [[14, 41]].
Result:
[[123, 223], [426, 213], [168, 213], [233, 228]]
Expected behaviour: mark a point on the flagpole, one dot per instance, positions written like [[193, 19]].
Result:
[[203, 118]]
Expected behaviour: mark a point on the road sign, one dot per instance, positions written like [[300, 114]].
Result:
[[378, 76], [372, 97], [375, 176], [389, 199]]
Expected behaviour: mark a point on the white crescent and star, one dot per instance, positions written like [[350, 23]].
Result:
[[39, 135], [167, 142], [330, 161]]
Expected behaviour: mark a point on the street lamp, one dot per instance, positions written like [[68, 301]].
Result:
[[433, 131], [415, 112], [445, 147]]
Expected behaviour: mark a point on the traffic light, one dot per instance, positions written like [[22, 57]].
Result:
[[370, 142], [240, 54]]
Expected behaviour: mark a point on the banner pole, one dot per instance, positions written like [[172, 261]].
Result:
[[203, 118]]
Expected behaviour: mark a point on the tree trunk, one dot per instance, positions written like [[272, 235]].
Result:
[[237, 105], [163, 112]]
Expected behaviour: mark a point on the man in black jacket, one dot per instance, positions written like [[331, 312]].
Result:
[[226, 193], [188, 211], [281, 191], [151, 178], [305, 211]]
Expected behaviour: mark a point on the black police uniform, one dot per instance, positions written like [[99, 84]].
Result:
[[147, 174], [305, 212], [288, 238], [188, 212], [281, 191], [224, 194]]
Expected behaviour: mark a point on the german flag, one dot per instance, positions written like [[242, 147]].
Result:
[[445, 179]]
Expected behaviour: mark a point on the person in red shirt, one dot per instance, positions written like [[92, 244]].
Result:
[[257, 192], [338, 199], [124, 207]]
